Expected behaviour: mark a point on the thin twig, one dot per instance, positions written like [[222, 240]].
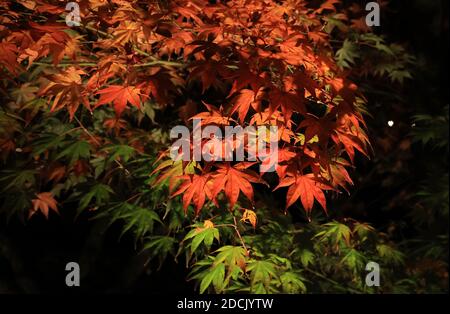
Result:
[[331, 280], [121, 166], [87, 64], [97, 31], [159, 62], [152, 63], [224, 225], [134, 196], [239, 235]]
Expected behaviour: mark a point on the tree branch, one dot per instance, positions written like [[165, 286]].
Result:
[[121, 166], [239, 235]]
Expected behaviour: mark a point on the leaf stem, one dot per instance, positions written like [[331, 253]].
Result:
[[239, 235]]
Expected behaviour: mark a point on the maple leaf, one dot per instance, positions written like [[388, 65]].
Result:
[[172, 171], [42, 203], [319, 37], [115, 124], [346, 56], [244, 77], [249, 216], [120, 96], [56, 173], [194, 189], [350, 142], [160, 83], [76, 151], [244, 100], [305, 82], [233, 180], [213, 116], [8, 56], [48, 8], [274, 119], [177, 42], [125, 32], [340, 176], [209, 73], [54, 40], [25, 93], [360, 24], [232, 256], [260, 272], [6, 147], [288, 102], [108, 66], [66, 90], [205, 233], [328, 5], [284, 155], [186, 111], [305, 187]]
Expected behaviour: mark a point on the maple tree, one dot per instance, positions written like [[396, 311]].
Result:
[[271, 58], [90, 109]]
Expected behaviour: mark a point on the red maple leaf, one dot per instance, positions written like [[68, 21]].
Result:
[[8, 56], [194, 190], [244, 100], [213, 116], [305, 187], [233, 180], [120, 96]]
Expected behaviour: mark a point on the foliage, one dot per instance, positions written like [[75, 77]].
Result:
[[85, 126]]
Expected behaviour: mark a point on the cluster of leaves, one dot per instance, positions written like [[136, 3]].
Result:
[[262, 63], [315, 258], [257, 63], [53, 157], [266, 64]]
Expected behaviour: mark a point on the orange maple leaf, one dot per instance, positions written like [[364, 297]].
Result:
[[305, 187], [120, 96], [67, 91], [244, 100], [43, 202]]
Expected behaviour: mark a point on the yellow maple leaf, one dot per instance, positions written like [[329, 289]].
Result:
[[249, 216]]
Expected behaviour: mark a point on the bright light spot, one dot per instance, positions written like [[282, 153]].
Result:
[[391, 123]]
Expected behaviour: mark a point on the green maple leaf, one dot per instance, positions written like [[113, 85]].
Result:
[[345, 57], [75, 151]]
